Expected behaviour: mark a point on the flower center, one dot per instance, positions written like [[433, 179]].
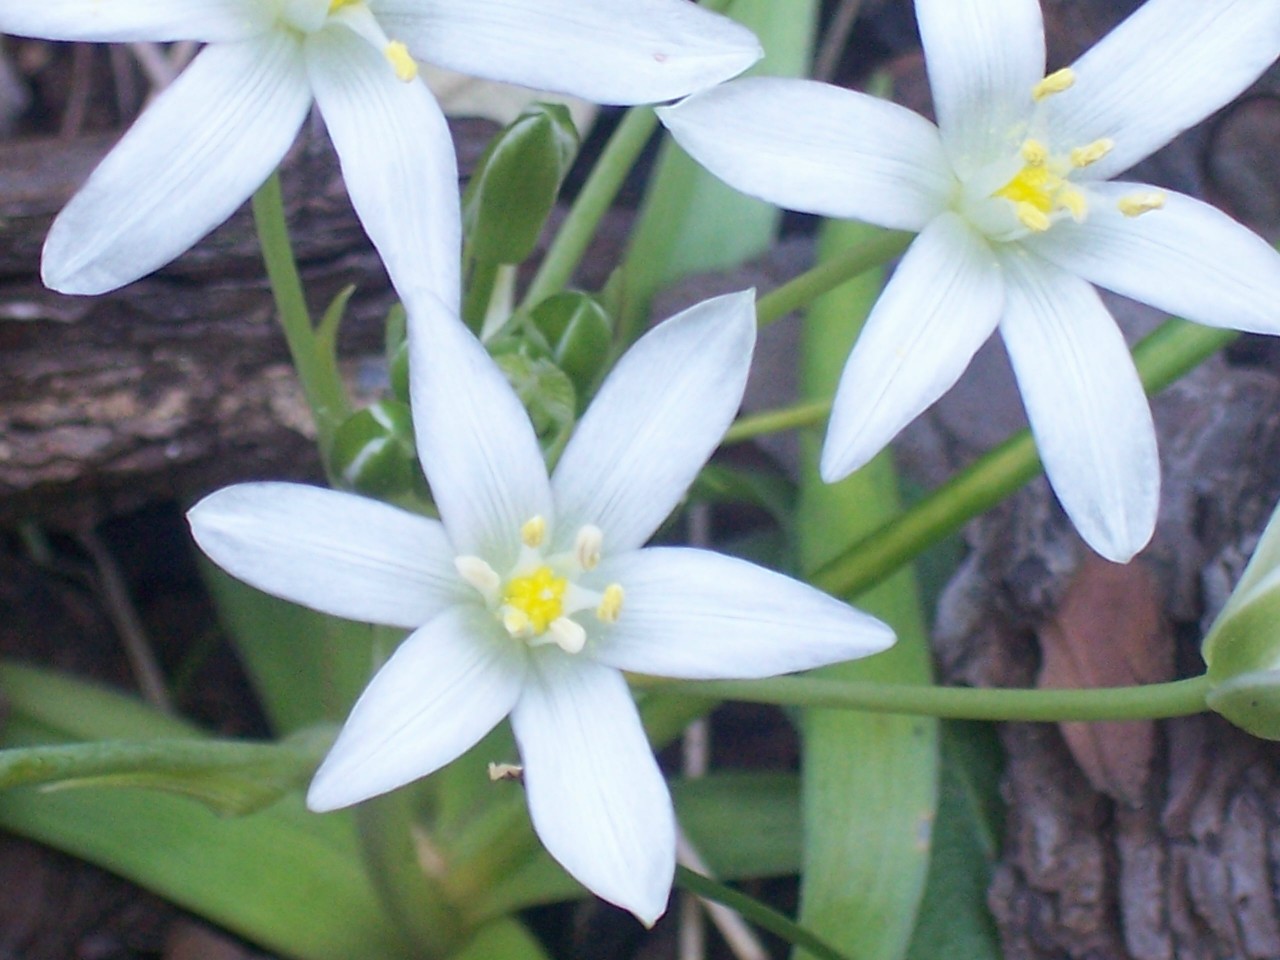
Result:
[[535, 600], [1012, 198], [308, 16], [538, 599]]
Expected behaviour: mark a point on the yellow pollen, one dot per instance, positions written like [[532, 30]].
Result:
[[534, 532], [1074, 203], [1035, 153], [533, 602], [1032, 217], [404, 65], [1136, 204], [1091, 153], [1055, 82], [611, 604]]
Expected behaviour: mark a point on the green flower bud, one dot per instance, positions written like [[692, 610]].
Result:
[[515, 184], [544, 390], [374, 452], [579, 333], [1242, 648]]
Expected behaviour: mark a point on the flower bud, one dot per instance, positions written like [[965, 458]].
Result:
[[515, 184], [579, 333], [374, 452], [1242, 648]]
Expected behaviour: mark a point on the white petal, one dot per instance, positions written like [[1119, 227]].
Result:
[[397, 159], [1170, 65], [119, 21], [1090, 418], [703, 616], [1187, 258], [606, 51], [596, 796], [983, 57], [474, 438], [197, 153], [816, 148], [334, 552], [939, 306], [442, 690], [655, 422]]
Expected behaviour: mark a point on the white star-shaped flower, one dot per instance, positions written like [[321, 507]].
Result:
[[532, 593], [1016, 218], [211, 138]]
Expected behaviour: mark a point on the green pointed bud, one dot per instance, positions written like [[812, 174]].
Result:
[[516, 182], [1242, 648], [544, 389], [579, 333], [374, 452]]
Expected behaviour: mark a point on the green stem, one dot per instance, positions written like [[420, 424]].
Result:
[[1147, 702], [829, 274], [313, 357], [775, 421], [1171, 351], [593, 201]]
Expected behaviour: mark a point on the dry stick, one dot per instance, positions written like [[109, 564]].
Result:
[[119, 606], [739, 937]]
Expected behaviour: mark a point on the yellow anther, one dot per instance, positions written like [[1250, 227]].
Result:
[[405, 66], [1091, 153], [335, 5], [1035, 153], [587, 546], [1074, 202], [516, 623], [1055, 82], [1032, 217], [610, 604], [1136, 204], [534, 532], [533, 602]]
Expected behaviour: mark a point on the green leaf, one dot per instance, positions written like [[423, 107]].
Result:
[[306, 667], [954, 920], [285, 878], [870, 780], [230, 777]]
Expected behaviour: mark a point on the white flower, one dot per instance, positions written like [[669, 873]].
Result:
[[210, 139], [1016, 218], [533, 593]]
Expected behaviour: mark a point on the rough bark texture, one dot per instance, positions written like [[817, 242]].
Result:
[[179, 382]]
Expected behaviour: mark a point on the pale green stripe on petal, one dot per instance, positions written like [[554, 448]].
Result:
[[699, 615], [442, 690], [939, 307], [334, 552], [605, 51], [983, 57], [817, 148], [655, 423], [474, 438], [1186, 258], [119, 21], [1087, 409], [1167, 67], [197, 153], [397, 159], [597, 798]]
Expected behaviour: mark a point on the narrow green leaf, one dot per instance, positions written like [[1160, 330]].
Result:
[[306, 668], [285, 878], [503, 939], [870, 781], [230, 777]]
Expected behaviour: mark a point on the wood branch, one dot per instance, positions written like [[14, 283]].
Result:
[[181, 381]]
